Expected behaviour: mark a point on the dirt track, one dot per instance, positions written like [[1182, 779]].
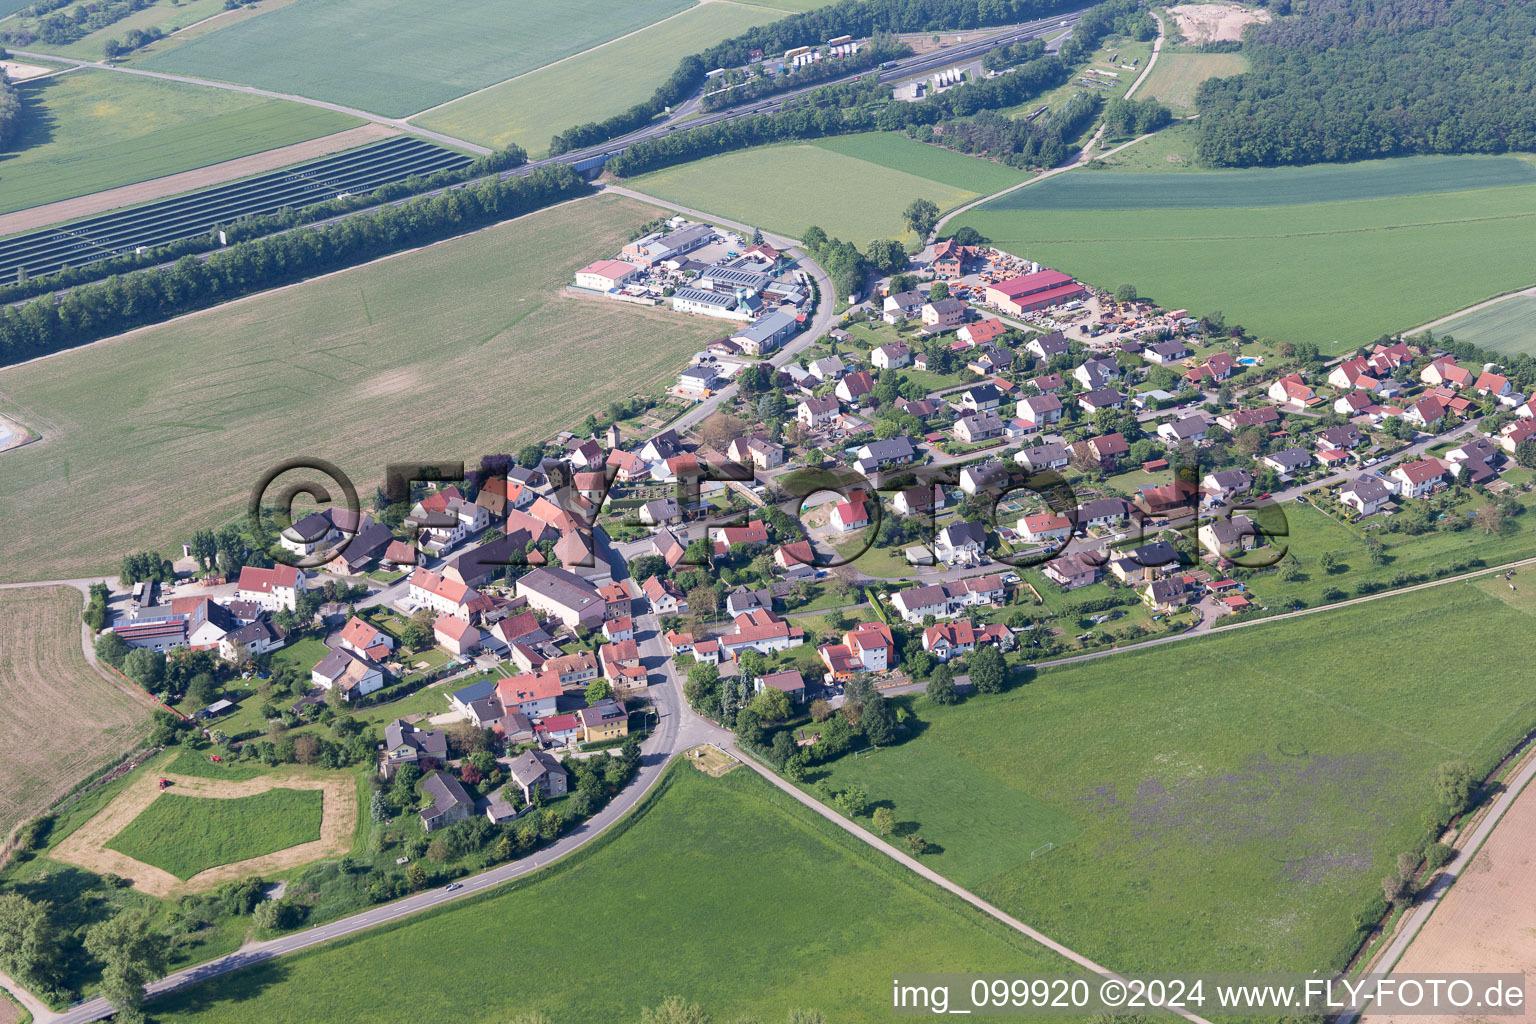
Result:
[[1207, 23], [86, 846], [186, 181]]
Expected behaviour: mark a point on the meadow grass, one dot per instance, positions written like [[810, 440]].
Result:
[[1334, 273], [591, 86], [752, 903], [1172, 149], [464, 348], [401, 58], [1176, 76], [897, 152], [788, 188], [1240, 795], [186, 834], [89, 130], [1508, 327]]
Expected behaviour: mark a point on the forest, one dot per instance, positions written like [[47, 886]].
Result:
[[1359, 79]]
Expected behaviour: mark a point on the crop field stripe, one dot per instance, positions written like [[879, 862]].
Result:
[[1366, 229], [169, 220], [456, 47], [1280, 186], [1508, 326], [895, 151]]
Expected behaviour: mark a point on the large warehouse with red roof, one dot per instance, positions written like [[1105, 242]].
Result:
[[1019, 295]]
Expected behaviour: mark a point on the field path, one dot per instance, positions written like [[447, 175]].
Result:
[[1465, 862], [187, 181], [86, 846], [251, 90]]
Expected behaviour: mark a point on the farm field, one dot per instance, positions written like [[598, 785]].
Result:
[[44, 679], [1177, 75], [1240, 796], [1508, 327], [165, 15], [90, 130], [857, 194], [729, 862], [591, 86], [453, 338], [1335, 273], [461, 46], [185, 835]]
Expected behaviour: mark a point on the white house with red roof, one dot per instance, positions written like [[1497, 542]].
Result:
[[456, 635], [429, 590], [1418, 478], [848, 516], [1291, 390], [868, 647], [1446, 372], [1046, 526], [274, 588], [945, 640], [366, 639], [762, 631]]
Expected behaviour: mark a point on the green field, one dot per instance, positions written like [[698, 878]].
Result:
[[90, 130], [591, 86], [1336, 273], [166, 15], [1176, 76], [1239, 796], [853, 187], [452, 344], [1172, 149], [747, 902], [401, 58], [1509, 326], [186, 834]]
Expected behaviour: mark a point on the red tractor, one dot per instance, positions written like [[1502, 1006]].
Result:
[[215, 758], [164, 783]]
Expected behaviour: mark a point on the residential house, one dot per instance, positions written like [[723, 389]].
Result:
[[827, 368], [1097, 374], [1185, 428], [664, 597], [535, 770], [456, 635], [943, 315], [949, 259], [1353, 404], [1288, 462], [1040, 411], [978, 427], [1225, 538], [446, 597], [1476, 461], [535, 694], [605, 720], [1070, 572], [920, 500], [891, 357], [789, 682], [1418, 478], [1367, 495], [1425, 411], [983, 332], [577, 668], [947, 600], [902, 306], [559, 730], [1237, 419], [1170, 594], [1164, 352], [868, 647], [658, 511], [353, 674], [946, 640], [1226, 483], [406, 744], [743, 599], [813, 413], [1052, 455], [983, 476], [878, 455], [762, 631], [981, 398], [1043, 527], [247, 642], [1104, 451], [1100, 513], [960, 544], [274, 588], [1047, 346], [618, 629], [855, 386], [450, 803], [1445, 372], [1101, 398], [1344, 437]]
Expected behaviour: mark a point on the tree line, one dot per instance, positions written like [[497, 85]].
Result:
[[118, 304], [10, 111], [860, 18], [250, 227], [57, 26], [1358, 79]]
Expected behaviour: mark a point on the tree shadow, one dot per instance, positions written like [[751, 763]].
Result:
[[38, 124], [254, 974]]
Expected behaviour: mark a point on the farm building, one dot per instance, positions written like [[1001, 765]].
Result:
[[1020, 295]]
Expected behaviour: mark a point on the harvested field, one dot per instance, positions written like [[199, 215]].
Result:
[[187, 181], [1484, 923], [452, 342], [1210, 23], [45, 681], [87, 846]]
